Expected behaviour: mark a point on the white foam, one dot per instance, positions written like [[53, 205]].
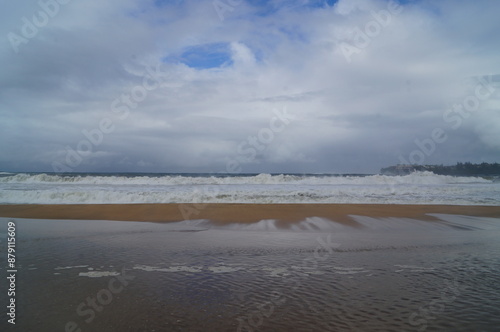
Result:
[[317, 224], [413, 178], [98, 274], [179, 268], [277, 271], [307, 270], [413, 269], [415, 188], [348, 270], [262, 225], [70, 267], [223, 269]]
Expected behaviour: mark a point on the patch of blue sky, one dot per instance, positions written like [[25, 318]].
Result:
[[319, 3], [433, 8], [261, 8], [267, 8], [163, 3], [204, 56], [404, 2]]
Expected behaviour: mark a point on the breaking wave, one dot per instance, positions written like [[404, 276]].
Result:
[[413, 178], [415, 188]]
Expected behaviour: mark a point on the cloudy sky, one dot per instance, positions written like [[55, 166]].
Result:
[[247, 86]]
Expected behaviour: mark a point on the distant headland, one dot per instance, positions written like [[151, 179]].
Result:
[[460, 169]]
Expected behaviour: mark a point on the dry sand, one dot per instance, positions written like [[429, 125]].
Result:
[[241, 213]]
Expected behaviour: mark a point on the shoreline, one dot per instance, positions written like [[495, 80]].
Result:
[[223, 213]]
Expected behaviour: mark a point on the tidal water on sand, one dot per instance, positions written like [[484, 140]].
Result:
[[386, 275]]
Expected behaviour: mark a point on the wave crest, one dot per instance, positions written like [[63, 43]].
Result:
[[425, 178]]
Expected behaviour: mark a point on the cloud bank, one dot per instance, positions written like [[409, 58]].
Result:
[[186, 86]]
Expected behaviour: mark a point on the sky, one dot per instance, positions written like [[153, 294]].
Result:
[[347, 86]]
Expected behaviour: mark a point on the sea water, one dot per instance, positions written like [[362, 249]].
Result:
[[415, 188], [391, 274]]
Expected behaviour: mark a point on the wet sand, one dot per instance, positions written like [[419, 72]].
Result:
[[222, 213]]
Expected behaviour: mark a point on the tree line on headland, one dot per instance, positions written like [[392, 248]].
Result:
[[460, 169]]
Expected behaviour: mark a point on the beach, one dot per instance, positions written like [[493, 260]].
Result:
[[250, 253], [222, 213]]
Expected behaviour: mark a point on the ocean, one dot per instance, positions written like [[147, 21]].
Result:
[[85, 188]]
